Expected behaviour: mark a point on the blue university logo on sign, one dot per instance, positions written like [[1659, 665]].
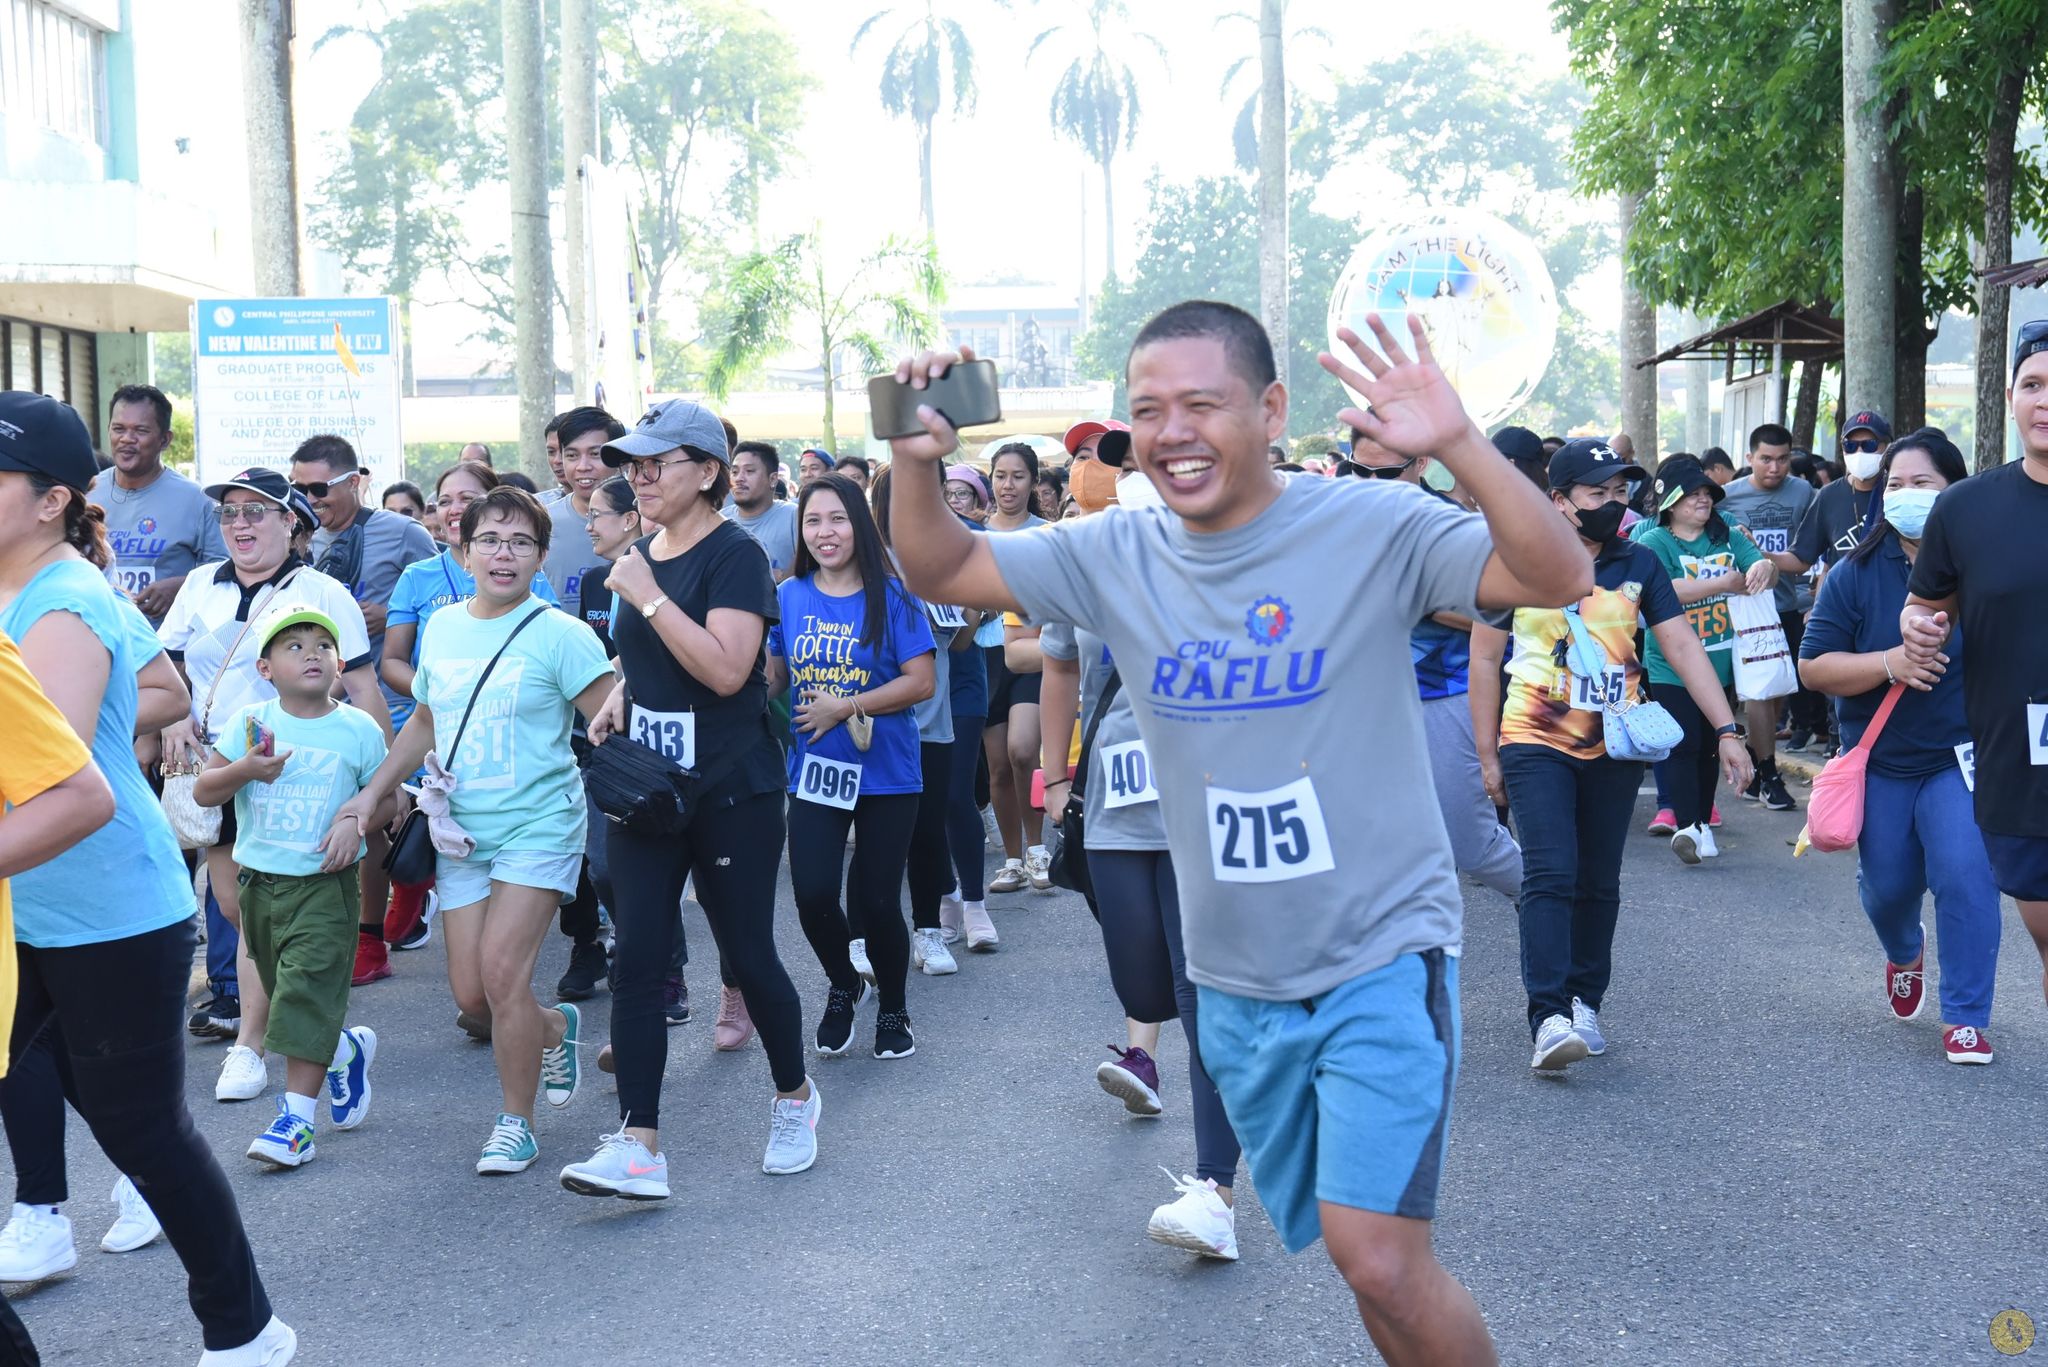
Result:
[[1269, 621]]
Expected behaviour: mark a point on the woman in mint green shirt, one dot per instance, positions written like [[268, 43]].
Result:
[[518, 795], [1707, 560]]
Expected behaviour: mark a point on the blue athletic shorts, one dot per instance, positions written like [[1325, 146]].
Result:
[[2019, 864], [1345, 1097]]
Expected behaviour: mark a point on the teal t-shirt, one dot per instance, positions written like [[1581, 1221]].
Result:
[[516, 782], [126, 878], [280, 826], [1698, 558]]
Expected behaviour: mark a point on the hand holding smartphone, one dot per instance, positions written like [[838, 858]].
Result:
[[967, 394], [262, 740]]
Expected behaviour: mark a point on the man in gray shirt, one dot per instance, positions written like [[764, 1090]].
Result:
[[160, 524], [582, 433], [754, 509], [1769, 505], [1264, 627]]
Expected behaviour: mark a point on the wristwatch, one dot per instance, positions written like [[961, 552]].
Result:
[[648, 610], [1727, 730]]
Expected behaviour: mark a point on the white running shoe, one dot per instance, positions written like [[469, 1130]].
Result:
[[1708, 849], [621, 1167], [928, 953], [981, 932], [274, 1347], [135, 1227], [792, 1134], [1586, 1025], [1038, 863], [35, 1244], [242, 1075], [1199, 1221], [1010, 878], [951, 917], [1557, 1045], [857, 950], [1685, 843]]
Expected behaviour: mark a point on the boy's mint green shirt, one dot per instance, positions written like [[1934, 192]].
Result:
[[516, 782], [281, 826]]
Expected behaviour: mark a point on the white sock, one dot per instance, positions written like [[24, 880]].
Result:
[[1037, 850], [1013, 863], [975, 906], [344, 1052], [301, 1107]]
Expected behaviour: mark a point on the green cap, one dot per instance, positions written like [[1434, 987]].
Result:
[[280, 618]]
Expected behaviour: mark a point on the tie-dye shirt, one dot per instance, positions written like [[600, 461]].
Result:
[[1549, 702]]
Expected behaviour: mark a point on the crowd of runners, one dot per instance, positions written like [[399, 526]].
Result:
[[318, 725]]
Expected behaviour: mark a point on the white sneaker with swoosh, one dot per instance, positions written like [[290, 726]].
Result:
[[620, 1167]]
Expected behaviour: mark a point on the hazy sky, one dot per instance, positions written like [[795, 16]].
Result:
[[1010, 193]]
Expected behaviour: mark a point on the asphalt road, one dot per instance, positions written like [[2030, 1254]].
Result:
[[1763, 1169]]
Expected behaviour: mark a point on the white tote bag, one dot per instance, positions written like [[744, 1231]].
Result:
[[1764, 667]]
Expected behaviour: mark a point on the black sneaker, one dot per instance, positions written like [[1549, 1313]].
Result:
[[1755, 791], [892, 1035], [835, 1031], [218, 1017], [675, 1001], [1774, 795], [586, 967], [421, 934], [1799, 739]]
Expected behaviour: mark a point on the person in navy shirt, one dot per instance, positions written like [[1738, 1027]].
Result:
[[855, 651], [1919, 831]]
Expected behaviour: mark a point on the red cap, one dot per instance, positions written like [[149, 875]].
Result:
[[1081, 431]]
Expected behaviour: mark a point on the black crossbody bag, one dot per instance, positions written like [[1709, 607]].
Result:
[[411, 856], [1070, 851]]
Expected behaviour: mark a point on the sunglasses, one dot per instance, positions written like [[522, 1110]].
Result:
[[1864, 446], [229, 514], [319, 488]]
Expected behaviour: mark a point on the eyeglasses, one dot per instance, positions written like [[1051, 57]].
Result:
[[1864, 446], [319, 488], [522, 547], [647, 469], [252, 513]]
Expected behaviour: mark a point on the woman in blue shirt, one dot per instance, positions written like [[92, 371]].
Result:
[[855, 652], [106, 973], [1919, 832]]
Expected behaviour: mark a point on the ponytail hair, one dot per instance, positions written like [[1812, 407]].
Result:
[[85, 524]]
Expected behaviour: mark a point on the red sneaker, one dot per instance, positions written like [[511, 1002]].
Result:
[[1715, 819], [402, 917], [373, 960], [1905, 985], [1663, 823], [1966, 1044]]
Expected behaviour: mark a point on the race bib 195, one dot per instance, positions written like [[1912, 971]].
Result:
[[1591, 694], [828, 782], [1267, 837], [672, 734], [1126, 775]]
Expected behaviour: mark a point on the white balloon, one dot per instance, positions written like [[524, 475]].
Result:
[[1482, 291]]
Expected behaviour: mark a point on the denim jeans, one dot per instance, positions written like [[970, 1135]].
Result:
[[1573, 818], [1921, 834], [222, 939]]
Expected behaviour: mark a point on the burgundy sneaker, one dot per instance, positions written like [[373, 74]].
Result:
[[1132, 1078], [1905, 985], [1966, 1044], [373, 960]]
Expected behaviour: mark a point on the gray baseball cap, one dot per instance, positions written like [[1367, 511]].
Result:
[[667, 425]]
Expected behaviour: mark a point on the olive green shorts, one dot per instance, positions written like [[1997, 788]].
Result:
[[301, 934]]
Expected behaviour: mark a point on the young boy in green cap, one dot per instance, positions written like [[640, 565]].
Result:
[[287, 764]]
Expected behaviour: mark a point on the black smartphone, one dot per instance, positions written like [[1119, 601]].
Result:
[[966, 394]]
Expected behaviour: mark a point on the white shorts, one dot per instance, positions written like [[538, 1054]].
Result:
[[461, 882]]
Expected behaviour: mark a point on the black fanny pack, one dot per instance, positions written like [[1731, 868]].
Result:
[[641, 789]]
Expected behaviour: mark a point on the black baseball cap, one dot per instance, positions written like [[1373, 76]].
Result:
[[1871, 420], [40, 435], [270, 485], [1115, 447], [1519, 445], [1679, 476], [1590, 460]]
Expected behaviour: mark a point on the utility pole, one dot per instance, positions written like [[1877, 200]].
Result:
[[1273, 255], [1870, 210], [533, 288], [579, 140], [1638, 343], [273, 165]]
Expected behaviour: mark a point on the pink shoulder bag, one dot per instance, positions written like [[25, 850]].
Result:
[[1834, 814]]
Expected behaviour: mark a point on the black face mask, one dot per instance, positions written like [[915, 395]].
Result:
[[1601, 524]]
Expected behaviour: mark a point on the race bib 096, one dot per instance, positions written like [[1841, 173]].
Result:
[[828, 782]]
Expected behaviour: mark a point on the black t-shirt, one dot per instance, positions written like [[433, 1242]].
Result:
[[594, 597], [1833, 523], [1987, 543], [734, 749]]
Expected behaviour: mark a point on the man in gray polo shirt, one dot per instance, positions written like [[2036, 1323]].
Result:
[[582, 433], [1264, 626], [160, 524], [755, 510]]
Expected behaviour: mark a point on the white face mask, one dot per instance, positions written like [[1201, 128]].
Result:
[[1863, 464]]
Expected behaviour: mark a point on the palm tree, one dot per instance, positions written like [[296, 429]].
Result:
[[1095, 102], [787, 299], [930, 58]]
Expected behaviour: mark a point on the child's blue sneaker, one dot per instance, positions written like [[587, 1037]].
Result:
[[287, 1143], [348, 1089]]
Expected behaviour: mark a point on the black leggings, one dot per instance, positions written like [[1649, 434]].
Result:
[[1138, 902], [1695, 764], [817, 855], [121, 1006], [964, 831], [732, 851], [931, 854]]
